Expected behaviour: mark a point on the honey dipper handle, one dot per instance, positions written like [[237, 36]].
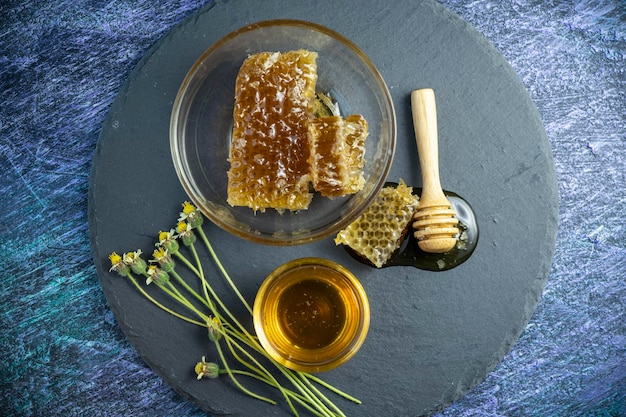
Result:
[[425, 123]]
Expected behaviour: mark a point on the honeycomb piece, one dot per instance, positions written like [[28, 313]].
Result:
[[269, 152], [337, 154], [380, 231]]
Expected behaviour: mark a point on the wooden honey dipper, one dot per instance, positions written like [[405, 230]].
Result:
[[435, 221]]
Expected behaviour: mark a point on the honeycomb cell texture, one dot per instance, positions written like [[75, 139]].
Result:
[[337, 154], [381, 229], [269, 152]]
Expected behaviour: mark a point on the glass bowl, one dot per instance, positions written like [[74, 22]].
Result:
[[311, 314], [202, 121]]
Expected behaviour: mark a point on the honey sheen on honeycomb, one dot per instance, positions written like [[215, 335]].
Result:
[[274, 98], [285, 137], [337, 154], [381, 229]]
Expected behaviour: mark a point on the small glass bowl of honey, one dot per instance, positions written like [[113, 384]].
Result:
[[311, 314]]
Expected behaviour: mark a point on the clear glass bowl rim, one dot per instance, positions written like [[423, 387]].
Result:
[[287, 239]]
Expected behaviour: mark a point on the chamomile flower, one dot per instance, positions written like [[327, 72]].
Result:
[[191, 215], [168, 241], [156, 274], [163, 258], [118, 265], [134, 261], [185, 233], [206, 369]]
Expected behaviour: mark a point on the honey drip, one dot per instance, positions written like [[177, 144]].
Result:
[[408, 252]]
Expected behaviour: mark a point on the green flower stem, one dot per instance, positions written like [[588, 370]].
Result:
[[200, 274], [184, 302], [178, 295], [318, 398], [209, 292], [206, 300], [161, 306], [222, 269], [311, 391], [309, 394], [297, 397], [181, 281], [185, 261], [260, 369], [174, 293], [302, 375], [231, 336], [253, 343], [331, 388], [225, 309], [236, 382], [306, 392], [233, 346], [243, 347], [196, 258], [320, 395]]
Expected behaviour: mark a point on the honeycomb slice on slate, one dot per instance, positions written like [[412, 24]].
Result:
[[380, 231], [337, 154], [274, 99]]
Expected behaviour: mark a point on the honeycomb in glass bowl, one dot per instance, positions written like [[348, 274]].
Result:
[[381, 229], [274, 99], [337, 154]]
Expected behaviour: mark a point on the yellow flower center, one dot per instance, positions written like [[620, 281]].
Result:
[[159, 254], [115, 258], [188, 208], [181, 227]]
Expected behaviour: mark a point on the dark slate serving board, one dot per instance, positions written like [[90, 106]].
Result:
[[433, 335]]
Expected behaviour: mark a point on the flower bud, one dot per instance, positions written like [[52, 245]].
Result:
[[163, 258], [215, 329], [156, 274], [196, 220], [185, 233], [167, 265], [167, 240], [207, 369], [171, 246], [134, 261], [189, 239], [139, 266], [118, 265], [191, 215]]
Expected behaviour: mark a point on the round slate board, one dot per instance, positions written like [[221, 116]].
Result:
[[433, 335]]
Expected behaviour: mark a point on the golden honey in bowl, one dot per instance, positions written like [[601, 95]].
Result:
[[311, 314]]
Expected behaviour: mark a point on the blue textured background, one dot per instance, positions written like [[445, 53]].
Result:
[[61, 66]]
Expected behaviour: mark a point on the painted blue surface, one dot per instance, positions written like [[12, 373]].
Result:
[[61, 66]]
